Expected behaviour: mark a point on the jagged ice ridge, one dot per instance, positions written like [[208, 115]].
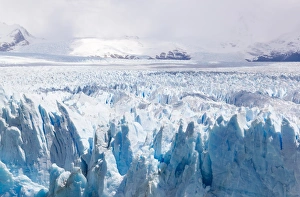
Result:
[[86, 131]]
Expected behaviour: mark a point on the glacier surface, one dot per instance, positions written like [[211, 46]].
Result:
[[139, 131]]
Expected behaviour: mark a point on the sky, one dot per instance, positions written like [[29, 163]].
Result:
[[201, 20]]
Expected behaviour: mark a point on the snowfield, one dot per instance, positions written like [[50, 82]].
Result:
[[149, 129]]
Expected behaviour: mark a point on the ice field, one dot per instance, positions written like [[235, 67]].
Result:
[[148, 128]]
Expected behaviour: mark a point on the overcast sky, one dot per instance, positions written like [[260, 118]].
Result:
[[256, 20]]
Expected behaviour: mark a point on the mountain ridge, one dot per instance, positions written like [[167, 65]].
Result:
[[13, 36], [285, 48]]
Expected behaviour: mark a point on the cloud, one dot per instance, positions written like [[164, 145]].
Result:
[[41, 18], [159, 19]]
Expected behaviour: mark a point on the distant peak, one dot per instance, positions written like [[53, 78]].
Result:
[[13, 36]]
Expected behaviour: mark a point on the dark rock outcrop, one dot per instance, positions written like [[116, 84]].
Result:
[[278, 57], [174, 55]]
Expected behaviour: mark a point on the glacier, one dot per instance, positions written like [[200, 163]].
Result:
[[148, 131]]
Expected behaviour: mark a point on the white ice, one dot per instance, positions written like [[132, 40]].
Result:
[[150, 130]]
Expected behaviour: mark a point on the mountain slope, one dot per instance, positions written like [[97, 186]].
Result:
[[285, 48], [117, 48], [13, 36], [16, 39]]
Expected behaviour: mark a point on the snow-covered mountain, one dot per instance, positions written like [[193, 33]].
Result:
[[13, 36], [17, 39], [102, 131], [284, 48], [116, 48]]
